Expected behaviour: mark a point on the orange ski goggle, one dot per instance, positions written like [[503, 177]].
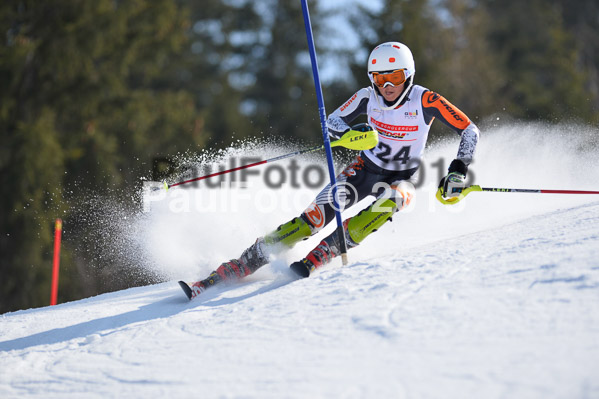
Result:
[[396, 77]]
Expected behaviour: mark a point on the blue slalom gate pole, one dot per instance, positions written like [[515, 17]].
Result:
[[325, 132]]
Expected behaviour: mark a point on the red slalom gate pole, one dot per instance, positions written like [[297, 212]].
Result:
[[56, 263]]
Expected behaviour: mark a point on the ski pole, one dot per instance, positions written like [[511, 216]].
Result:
[[464, 192], [353, 140]]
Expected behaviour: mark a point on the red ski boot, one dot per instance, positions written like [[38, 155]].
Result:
[[321, 255]]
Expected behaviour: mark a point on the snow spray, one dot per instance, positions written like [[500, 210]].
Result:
[[190, 232]]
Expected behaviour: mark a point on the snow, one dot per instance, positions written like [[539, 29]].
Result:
[[497, 297]]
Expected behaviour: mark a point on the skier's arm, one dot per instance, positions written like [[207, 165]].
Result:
[[338, 122], [436, 106]]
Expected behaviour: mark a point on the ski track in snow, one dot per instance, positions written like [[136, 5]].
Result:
[[506, 312], [496, 297]]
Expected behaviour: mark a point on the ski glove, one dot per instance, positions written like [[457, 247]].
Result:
[[455, 181], [334, 135], [362, 127]]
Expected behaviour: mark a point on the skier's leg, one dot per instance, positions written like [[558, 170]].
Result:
[[358, 227], [257, 255], [312, 220]]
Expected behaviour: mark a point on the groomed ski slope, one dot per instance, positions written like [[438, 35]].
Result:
[[497, 299], [510, 312]]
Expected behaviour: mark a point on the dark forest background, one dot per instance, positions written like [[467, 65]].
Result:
[[92, 92]]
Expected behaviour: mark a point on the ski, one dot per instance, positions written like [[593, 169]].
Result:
[[186, 288], [192, 290], [300, 268]]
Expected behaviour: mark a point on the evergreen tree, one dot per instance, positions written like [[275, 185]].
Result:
[[90, 94], [224, 36], [282, 97], [31, 186], [543, 78], [468, 73], [580, 20]]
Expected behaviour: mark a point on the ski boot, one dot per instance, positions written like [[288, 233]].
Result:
[[250, 260], [321, 255], [256, 256], [356, 228], [198, 287]]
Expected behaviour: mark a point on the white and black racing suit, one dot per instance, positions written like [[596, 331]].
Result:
[[403, 132]]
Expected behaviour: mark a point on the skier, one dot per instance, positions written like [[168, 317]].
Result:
[[402, 113]]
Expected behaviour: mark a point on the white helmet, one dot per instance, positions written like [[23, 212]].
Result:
[[392, 56]]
